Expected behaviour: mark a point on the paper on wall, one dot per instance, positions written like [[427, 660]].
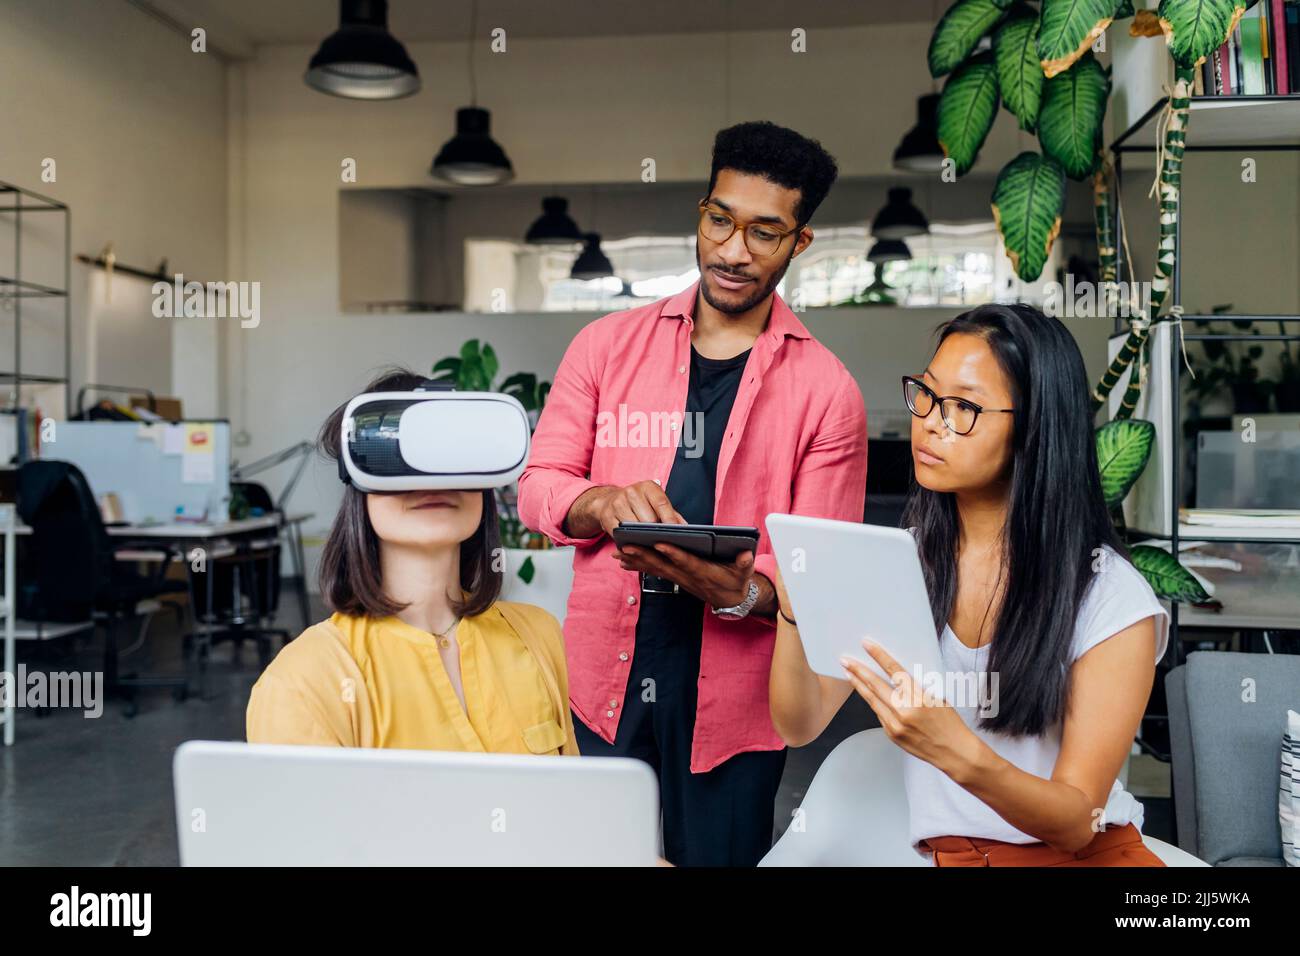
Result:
[[173, 439], [198, 460], [198, 468], [198, 438]]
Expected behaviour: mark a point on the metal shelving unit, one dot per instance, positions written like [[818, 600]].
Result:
[[1218, 124], [20, 203]]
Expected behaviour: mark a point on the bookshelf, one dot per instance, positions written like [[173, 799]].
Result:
[[1224, 124], [20, 204]]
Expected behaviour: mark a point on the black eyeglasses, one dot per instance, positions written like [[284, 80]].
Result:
[[958, 414]]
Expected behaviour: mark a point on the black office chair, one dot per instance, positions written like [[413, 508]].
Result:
[[237, 595], [69, 569]]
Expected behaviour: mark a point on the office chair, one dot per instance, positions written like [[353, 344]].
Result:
[[855, 813], [236, 594], [70, 572], [1226, 748]]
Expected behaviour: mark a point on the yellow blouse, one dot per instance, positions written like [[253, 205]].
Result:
[[363, 682]]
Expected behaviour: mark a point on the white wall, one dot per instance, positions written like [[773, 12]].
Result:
[[566, 111], [135, 123]]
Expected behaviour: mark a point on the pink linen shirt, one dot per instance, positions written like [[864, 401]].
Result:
[[796, 443]]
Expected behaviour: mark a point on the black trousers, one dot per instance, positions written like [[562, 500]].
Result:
[[720, 818]]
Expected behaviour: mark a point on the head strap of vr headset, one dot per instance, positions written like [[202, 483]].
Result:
[[426, 385]]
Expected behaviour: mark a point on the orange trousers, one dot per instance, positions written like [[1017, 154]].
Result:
[[1114, 846]]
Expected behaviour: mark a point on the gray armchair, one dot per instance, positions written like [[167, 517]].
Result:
[[1226, 753]]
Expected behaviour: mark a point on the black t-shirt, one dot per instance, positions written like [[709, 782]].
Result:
[[709, 397]]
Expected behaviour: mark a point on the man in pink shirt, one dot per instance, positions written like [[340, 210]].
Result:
[[713, 406]]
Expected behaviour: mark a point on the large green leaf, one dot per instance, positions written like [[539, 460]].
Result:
[[1194, 29], [1020, 76], [1167, 577], [959, 30], [1069, 123], [966, 110], [1125, 10], [1028, 200], [1068, 27], [1123, 448]]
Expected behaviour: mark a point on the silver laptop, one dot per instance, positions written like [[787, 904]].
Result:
[[243, 804]]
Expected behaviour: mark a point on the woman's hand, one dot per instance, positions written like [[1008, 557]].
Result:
[[926, 727], [782, 598]]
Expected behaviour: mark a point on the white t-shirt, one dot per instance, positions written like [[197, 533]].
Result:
[[1118, 598]]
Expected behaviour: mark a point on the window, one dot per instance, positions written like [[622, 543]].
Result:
[[954, 265]]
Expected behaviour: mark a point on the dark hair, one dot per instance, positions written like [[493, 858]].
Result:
[[350, 578], [1056, 516], [780, 155]]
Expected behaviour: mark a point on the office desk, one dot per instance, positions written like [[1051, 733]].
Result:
[[8, 606], [200, 532], [168, 537], [185, 537]]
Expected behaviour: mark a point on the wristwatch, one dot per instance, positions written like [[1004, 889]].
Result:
[[739, 611]]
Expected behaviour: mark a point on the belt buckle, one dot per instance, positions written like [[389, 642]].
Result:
[[648, 588]]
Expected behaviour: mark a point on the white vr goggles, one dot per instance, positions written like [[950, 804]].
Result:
[[434, 440]]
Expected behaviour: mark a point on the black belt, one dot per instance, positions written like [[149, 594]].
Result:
[[653, 584]]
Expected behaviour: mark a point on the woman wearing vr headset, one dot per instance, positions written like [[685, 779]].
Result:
[[1028, 583], [419, 653]]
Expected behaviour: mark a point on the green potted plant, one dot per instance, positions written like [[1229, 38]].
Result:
[[1037, 62], [1287, 390], [535, 572]]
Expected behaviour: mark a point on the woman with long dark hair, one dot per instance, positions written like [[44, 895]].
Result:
[[419, 653], [1031, 594]]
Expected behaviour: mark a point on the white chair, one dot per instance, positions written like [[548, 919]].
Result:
[[855, 813]]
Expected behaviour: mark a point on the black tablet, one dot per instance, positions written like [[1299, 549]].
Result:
[[711, 541]]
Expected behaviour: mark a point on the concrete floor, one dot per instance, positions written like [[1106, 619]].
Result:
[[98, 792]]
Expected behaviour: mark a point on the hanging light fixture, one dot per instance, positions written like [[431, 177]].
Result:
[[919, 151], [554, 226], [592, 263], [472, 157], [889, 250], [899, 218], [361, 60]]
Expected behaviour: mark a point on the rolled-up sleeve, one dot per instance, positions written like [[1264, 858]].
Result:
[[830, 480], [560, 461]]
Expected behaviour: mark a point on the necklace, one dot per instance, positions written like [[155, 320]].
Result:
[[444, 640]]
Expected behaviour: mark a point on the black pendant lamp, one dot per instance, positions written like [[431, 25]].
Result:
[[472, 157], [899, 218], [889, 250], [362, 60], [920, 152], [592, 263], [554, 227]]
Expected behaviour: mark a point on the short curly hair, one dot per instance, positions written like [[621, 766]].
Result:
[[779, 155]]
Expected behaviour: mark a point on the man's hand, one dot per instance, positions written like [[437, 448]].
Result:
[[715, 583], [602, 509]]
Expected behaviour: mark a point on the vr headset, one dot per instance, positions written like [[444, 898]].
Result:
[[433, 439]]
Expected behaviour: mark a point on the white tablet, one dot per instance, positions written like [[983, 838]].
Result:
[[849, 581]]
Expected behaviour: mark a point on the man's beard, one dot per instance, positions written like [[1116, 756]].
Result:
[[760, 293]]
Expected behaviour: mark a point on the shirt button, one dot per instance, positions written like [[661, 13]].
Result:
[[631, 599], [609, 713], [681, 370], [673, 426], [613, 703], [623, 656]]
